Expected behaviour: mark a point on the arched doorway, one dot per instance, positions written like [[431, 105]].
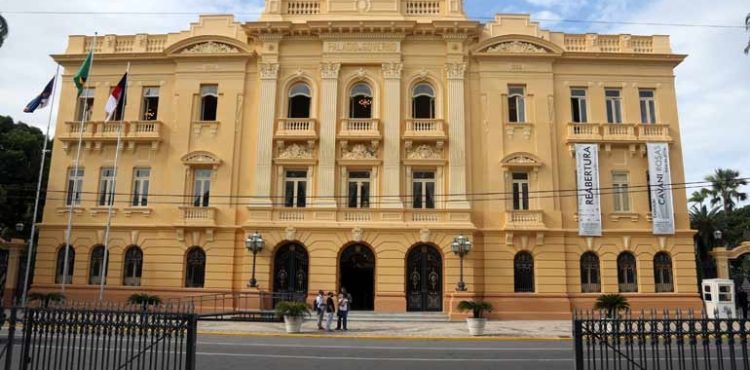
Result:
[[357, 275], [424, 279], [290, 273]]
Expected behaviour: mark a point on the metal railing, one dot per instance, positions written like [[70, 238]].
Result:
[[237, 306], [666, 340]]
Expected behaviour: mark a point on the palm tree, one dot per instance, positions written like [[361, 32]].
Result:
[[699, 197], [747, 27], [612, 304], [725, 185]]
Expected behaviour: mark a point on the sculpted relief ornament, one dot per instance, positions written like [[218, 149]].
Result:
[[456, 70], [268, 71], [424, 151], [516, 47], [211, 47], [359, 151], [296, 151], [330, 70]]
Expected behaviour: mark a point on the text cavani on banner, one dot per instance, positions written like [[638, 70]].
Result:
[[589, 203], [660, 183]]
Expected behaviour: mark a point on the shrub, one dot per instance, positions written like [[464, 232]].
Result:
[[478, 308], [46, 298], [612, 304], [292, 309], [144, 300]]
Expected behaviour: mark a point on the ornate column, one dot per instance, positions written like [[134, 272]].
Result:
[[329, 72], [457, 136], [269, 73], [392, 136]]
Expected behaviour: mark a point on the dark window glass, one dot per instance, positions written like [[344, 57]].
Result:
[[133, 267], [299, 101], [590, 281], [423, 102], [360, 102], [60, 270], [96, 265], [626, 273], [195, 272], [524, 273], [663, 273]]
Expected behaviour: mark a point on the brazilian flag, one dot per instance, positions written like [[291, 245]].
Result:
[[83, 73]]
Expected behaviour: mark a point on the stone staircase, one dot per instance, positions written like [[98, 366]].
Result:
[[369, 316]]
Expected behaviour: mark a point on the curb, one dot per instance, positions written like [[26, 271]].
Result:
[[386, 337]]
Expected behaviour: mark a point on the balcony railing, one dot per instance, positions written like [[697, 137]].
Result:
[[593, 43], [422, 7], [424, 128], [100, 132], [654, 132], [303, 7], [524, 219], [198, 215], [618, 132], [361, 215], [360, 128], [298, 128]]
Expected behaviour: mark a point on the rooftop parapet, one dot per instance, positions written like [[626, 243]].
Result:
[[303, 10]]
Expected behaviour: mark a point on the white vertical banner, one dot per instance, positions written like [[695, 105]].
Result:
[[589, 203], [660, 186]]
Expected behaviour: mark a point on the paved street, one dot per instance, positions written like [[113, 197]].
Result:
[[277, 353]]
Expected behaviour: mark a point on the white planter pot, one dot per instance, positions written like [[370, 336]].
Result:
[[293, 324], [476, 326]]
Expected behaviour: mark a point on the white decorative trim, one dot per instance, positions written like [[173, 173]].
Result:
[[210, 47], [516, 47]]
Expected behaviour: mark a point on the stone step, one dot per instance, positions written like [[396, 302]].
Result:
[[369, 316]]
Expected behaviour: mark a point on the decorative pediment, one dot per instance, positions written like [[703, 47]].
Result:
[[521, 160], [425, 151], [516, 47], [210, 47], [201, 158], [296, 151], [359, 151]]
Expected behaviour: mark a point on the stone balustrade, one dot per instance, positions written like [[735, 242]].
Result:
[[618, 132], [355, 216], [200, 216], [360, 128], [296, 128], [523, 220], [96, 133], [416, 129]]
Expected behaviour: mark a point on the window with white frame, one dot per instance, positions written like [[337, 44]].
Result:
[[202, 187], [621, 191], [106, 194], [520, 186], [150, 104], [358, 189], [299, 101], [209, 102], [516, 104], [295, 189], [423, 190], [141, 182], [360, 101], [85, 104], [648, 106], [423, 102], [613, 99], [578, 105], [75, 184]]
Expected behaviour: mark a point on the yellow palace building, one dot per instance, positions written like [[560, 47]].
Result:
[[360, 138]]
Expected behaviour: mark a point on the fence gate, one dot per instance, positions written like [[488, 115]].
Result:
[[101, 338], [660, 341]]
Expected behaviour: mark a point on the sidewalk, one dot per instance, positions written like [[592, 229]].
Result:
[[495, 329]]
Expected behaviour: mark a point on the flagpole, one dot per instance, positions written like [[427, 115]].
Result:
[[102, 272], [76, 167], [30, 251]]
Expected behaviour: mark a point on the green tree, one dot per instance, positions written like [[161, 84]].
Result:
[[725, 188]]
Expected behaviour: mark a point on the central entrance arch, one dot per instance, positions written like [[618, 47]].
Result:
[[357, 275], [424, 279], [290, 273]]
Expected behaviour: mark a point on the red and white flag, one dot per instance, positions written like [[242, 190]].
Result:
[[116, 101]]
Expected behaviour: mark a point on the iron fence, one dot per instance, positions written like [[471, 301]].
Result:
[[663, 340]]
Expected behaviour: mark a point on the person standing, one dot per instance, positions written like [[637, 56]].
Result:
[[343, 311], [742, 301], [320, 308], [330, 310]]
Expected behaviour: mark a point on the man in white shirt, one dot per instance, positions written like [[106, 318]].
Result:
[[320, 305]]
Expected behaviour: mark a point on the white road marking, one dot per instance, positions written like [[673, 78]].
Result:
[[400, 348], [401, 359]]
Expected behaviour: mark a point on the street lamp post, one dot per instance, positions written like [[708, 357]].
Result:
[[461, 246], [254, 243]]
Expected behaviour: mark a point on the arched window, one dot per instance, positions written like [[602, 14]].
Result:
[[626, 273], [663, 273], [133, 268], [299, 101], [97, 262], [360, 101], [209, 102], [195, 269], [590, 281], [61, 265], [423, 102], [524, 272]]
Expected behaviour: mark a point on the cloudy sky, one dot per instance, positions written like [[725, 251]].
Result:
[[713, 84]]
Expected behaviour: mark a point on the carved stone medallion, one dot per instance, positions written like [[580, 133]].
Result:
[[211, 47]]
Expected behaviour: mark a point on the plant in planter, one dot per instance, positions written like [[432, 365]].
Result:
[[46, 298], [144, 300], [476, 323], [294, 314], [612, 304]]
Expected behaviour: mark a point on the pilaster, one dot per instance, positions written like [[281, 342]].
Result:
[[392, 136], [329, 73], [269, 73], [457, 136]]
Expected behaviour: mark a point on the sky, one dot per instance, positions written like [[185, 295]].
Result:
[[713, 84]]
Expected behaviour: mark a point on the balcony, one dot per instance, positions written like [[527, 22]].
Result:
[[302, 7], [524, 220], [422, 7], [198, 216], [630, 133], [360, 128], [593, 43], [296, 128], [97, 134], [424, 129], [359, 216]]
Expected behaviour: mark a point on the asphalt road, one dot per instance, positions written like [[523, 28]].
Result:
[[276, 353]]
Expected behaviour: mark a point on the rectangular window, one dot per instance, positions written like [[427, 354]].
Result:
[[209, 102], [201, 187], [516, 104], [614, 105], [423, 190], [295, 189], [520, 191], [140, 186], [106, 187], [359, 189], [621, 191], [648, 106], [75, 184], [84, 105], [150, 104], [578, 105]]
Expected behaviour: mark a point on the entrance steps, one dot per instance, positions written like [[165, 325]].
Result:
[[370, 316]]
